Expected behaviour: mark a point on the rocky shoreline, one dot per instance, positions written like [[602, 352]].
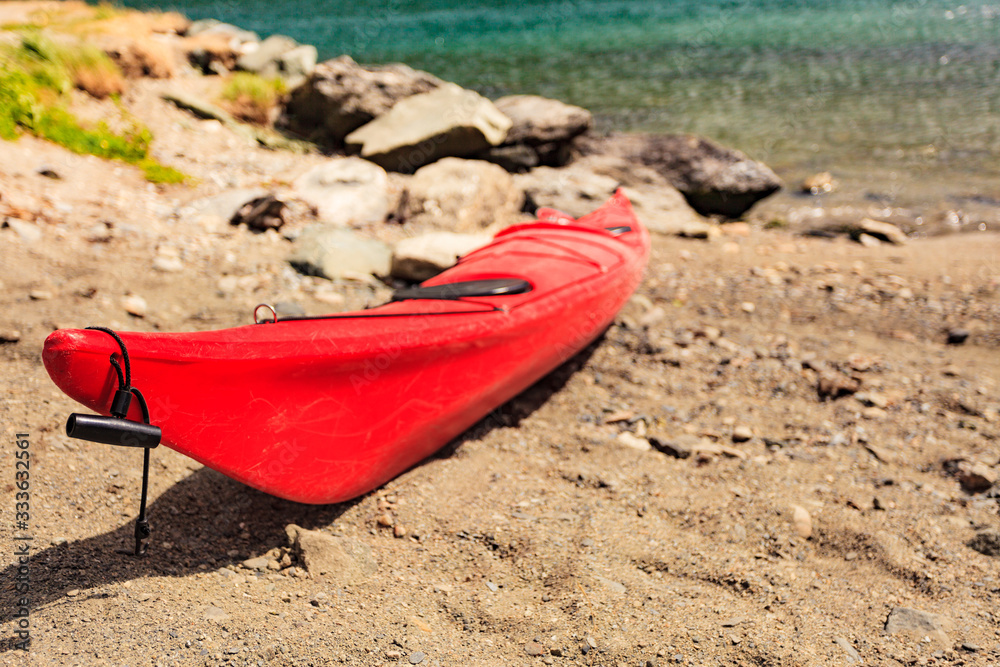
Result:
[[783, 452]]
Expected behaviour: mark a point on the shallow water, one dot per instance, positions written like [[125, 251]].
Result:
[[902, 97]]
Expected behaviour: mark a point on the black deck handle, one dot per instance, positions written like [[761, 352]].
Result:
[[113, 431]]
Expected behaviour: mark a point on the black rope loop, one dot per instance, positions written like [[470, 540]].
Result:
[[124, 372]]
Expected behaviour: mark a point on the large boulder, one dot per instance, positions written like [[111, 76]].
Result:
[[539, 120], [279, 55], [216, 27], [214, 47], [657, 204], [575, 190], [334, 252], [421, 257], [345, 191], [714, 179], [448, 121], [540, 134], [462, 195], [341, 96]]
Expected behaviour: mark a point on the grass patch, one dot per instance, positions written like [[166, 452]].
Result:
[[252, 98], [34, 79]]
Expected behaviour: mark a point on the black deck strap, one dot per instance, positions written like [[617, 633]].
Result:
[[119, 409], [465, 289], [618, 230], [142, 529]]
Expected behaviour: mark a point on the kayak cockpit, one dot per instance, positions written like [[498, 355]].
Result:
[[464, 289]]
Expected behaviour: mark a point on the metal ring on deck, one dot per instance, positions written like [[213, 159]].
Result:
[[274, 314]]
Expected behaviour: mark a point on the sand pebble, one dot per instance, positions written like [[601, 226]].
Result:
[[134, 305]]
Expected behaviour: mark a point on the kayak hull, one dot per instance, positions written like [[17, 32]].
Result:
[[324, 410]]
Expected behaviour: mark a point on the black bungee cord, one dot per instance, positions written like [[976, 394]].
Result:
[[119, 430]]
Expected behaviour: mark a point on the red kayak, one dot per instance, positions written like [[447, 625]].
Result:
[[324, 409]]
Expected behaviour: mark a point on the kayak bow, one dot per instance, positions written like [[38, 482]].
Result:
[[324, 409]]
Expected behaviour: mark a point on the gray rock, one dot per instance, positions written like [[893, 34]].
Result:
[[917, 624], [338, 559], [259, 563], [295, 65], [448, 121], [658, 204], [516, 158], [346, 190], [714, 179], [574, 190], [538, 120], [665, 211], [422, 257], [333, 252], [224, 205], [883, 231], [216, 27], [987, 542], [264, 58], [462, 195], [340, 96]]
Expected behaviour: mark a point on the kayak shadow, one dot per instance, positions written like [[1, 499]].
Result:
[[200, 524], [522, 406]]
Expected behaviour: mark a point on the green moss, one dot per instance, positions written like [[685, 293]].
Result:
[[161, 173], [247, 86], [34, 78], [250, 97]]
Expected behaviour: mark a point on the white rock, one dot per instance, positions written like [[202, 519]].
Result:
[[422, 257], [333, 252], [463, 195], [448, 121], [134, 305], [801, 521], [26, 231], [168, 264], [633, 441], [346, 190]]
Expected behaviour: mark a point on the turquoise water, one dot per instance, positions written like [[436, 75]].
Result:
[[895, 90]]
